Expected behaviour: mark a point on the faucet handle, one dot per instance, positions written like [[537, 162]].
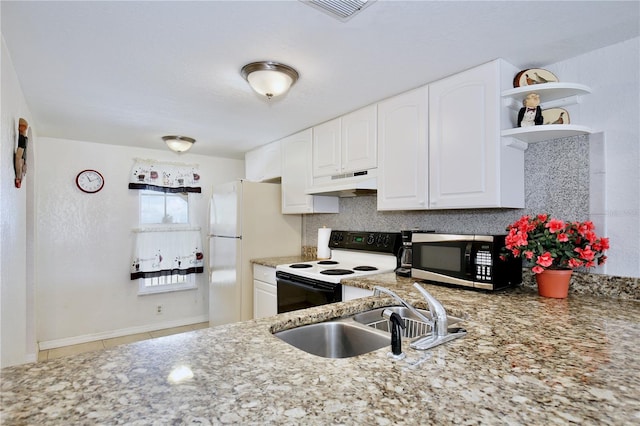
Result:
[[438, 313]]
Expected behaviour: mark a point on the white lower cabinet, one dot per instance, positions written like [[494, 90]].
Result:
[[265, 292], [350, 293]]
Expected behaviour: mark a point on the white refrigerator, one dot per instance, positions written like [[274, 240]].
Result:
[[245, 222]]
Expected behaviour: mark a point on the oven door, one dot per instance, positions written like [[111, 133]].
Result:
[[295, 292]]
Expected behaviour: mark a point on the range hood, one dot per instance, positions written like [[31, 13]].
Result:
[[346, 185]]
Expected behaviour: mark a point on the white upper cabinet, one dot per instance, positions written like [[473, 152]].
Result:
[[403, 151], [296, 178], [327, 150], [346, 144], [469, 166], [264, 163], [359, 140]]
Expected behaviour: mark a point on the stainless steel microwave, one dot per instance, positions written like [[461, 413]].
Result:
[[464, 260]]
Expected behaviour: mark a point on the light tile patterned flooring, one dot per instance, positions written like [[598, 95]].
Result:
[[109, 343]]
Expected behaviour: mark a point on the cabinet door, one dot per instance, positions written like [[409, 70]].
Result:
[[464, 138], [265, 299], [266, 274], [296, 173], [326, 148], [264, 163], [351, 293], [359, 140], [403, 151]]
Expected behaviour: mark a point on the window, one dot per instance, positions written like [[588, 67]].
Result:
[[162, 284], [165, 268], [161, 207]]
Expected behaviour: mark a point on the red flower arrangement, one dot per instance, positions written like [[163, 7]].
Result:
[[549, 243]]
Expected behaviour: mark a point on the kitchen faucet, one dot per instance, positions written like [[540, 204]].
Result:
[[440, 332]]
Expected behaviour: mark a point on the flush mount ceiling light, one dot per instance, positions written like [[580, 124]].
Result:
[[342, 10], [178, 143], [269, 78]]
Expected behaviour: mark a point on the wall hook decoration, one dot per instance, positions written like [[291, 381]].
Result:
[[20, 155]]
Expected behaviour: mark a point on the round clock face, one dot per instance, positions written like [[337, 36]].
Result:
[[89, 181]]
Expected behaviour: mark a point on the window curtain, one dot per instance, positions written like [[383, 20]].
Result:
[[167, 251], [164, 177]]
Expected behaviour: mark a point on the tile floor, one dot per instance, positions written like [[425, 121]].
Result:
[[109, 343]]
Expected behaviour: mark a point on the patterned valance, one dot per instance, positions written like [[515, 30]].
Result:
[[168, 251], [164, 177]]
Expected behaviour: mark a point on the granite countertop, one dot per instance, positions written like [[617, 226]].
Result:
[[525, 360]]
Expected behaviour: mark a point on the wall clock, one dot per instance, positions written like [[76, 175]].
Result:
[[89, 181]]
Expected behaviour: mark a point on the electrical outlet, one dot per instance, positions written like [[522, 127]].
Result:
[[159, 309]]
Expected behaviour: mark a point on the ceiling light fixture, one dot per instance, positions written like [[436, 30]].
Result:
[[269, 78], [179, 143]]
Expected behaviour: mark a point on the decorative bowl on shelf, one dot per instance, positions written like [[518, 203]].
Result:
[[555, 116], [533, 76]]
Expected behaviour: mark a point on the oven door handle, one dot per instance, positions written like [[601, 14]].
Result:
[[315, 287]]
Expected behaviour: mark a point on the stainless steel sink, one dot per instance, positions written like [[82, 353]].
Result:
[[335, 339], [414, 326], [357, 334]]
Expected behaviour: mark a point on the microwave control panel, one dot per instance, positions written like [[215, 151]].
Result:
[[483, 262]]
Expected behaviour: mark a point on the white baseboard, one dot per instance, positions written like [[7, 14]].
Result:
[[67, 341]]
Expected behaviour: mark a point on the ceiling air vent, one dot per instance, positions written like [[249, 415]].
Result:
[[339, 9]]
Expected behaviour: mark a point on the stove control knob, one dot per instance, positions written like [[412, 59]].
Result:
[[371, 239], [336, 237], [386, 240]]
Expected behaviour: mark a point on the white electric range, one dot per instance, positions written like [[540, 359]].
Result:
[[353, 254]]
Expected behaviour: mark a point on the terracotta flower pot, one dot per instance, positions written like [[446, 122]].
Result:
[[554, 283]]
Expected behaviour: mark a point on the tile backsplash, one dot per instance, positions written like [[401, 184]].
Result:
[[556, 182]]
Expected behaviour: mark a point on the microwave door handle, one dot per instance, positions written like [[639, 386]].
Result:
[[467, 259]]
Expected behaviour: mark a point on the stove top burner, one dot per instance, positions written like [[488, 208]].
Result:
[[327, 262], [300, 265], [365, 268], [336, 272]]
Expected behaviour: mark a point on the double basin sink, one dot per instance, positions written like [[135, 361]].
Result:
[[355, 335]]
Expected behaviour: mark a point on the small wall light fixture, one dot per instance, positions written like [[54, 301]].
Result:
[[269, 78], [179, 143]]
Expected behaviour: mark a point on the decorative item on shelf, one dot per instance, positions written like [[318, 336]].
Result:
[[555, 116], [20, 154], [552, 245], [531, 113], [533, 76], [179, 143], [269, 78]]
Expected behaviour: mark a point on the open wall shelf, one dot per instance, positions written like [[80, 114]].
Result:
[[552, 95]]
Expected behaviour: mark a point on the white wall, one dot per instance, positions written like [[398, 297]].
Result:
[[16, 285], [84, 244], [613, 108]]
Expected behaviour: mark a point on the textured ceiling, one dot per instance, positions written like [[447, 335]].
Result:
[[129, 72]]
